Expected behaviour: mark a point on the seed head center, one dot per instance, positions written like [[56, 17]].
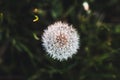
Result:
[[61, 39]]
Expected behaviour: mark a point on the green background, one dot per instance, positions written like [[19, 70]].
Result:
[[22, 56]]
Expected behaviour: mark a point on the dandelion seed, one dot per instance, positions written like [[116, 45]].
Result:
[[60, 41]]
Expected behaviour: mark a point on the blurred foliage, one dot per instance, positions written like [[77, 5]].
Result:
[[22, 56]]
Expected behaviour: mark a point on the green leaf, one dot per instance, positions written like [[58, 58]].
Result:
[[1, 17], [26, 49], [57, 9], [117, 29]]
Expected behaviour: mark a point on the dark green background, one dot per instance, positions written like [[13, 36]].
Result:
[[22, 56]]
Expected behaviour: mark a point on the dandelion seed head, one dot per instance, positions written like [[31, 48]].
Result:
[[60, 40], [86, 5]]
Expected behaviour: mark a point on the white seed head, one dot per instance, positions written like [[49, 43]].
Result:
[[86, 5], [60, 40]]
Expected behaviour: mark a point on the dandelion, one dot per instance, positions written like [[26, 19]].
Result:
[[86, 7], [60, 40]]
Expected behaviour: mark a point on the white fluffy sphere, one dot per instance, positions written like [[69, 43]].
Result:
[[60, 40]]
